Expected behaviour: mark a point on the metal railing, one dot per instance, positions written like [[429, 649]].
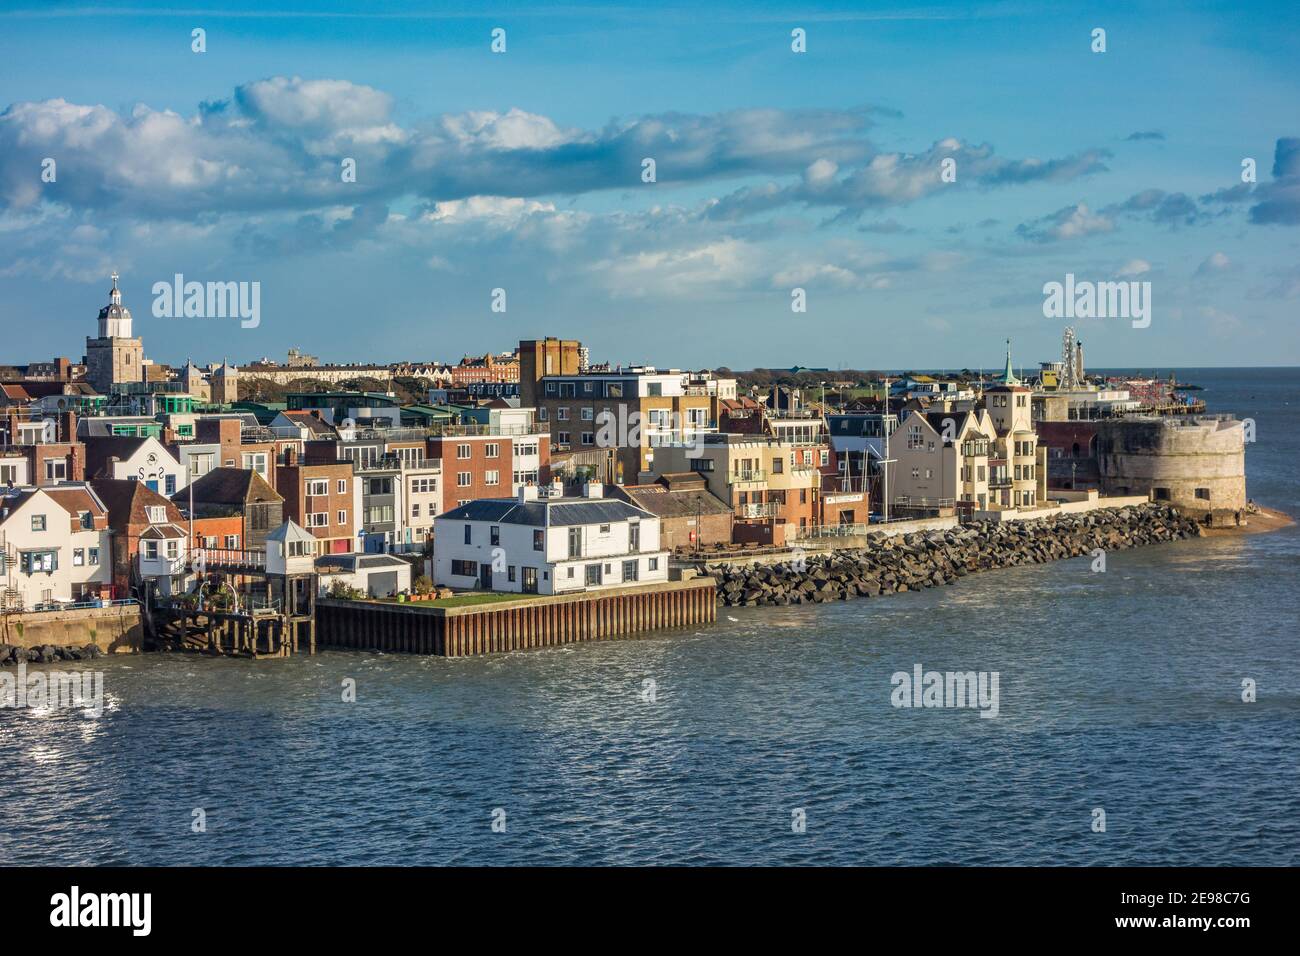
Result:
[[750, 474], [765, 510]]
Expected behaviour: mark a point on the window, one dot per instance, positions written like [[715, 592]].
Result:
[[491, 477], [588, 414], [494, 535], [38, 522], [156, 514], [562, 438], [653, 564], [629, 571], [604, 529], [343, 517], [415, 510], [87, 521], [778, 465], [255, 461], [169, 484], [318, 519], [469, 533], [492, 450], [1203, 494], [151, 550], [317, 486], [634, 536], [342, 486], [35, 562], [569, 569], [826, 457], [593, 575], [56, 469], [588, 438], [232, 541], [463, 451], [92, 556], [510, 573], [539, 540], [563, 414], [78, 557], [210, 542], [462, 479], [173, 549], [468, 569]]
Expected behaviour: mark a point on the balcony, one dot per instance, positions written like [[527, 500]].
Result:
[[744, 475], [768, 509]]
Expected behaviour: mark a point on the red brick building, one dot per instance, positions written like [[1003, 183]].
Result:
[[320, 497]]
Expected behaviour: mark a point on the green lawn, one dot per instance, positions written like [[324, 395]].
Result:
[[462, 600]]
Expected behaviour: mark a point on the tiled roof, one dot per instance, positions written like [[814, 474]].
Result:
[[551, 511]]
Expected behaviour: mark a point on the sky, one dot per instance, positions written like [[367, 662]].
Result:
[[919, 172]]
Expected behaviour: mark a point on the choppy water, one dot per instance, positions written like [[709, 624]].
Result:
[[1118, 690]]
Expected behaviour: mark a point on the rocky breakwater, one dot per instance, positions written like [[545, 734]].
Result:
[[47, 654], [928, 559]]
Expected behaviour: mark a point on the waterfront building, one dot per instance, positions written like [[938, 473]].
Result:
[[772, 486], [235, 492], [54, 546], [149, 542], [535, 544]]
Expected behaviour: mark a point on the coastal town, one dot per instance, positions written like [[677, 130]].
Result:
[[539, 493]]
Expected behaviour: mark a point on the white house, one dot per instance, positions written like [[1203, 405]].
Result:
[[135, 459], [548, 545], [54, 546]]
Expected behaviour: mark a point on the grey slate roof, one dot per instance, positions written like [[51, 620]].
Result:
[[563, 511]]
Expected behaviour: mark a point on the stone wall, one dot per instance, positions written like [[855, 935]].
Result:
[[110, 630], [1196, 464]]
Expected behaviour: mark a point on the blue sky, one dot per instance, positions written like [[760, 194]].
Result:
[[522, 170]]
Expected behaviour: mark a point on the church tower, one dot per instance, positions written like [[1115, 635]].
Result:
[[114, 357]]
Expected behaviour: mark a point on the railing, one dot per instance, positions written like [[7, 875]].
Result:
[[914, 501], [203, 558], [47, 606], [766, 510], [751, 474]]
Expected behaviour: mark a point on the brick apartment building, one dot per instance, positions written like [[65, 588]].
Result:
[[320, 496]]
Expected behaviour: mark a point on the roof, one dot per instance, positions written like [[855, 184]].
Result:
[[230, 486], [72, 498], [547, 511], [670, 503], [100, 448], [126, 502], [359, 562], [313, 423], [290, 531]]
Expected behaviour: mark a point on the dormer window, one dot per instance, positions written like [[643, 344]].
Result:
[[157, 514]]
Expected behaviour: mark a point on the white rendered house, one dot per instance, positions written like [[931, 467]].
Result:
[[548, 545]]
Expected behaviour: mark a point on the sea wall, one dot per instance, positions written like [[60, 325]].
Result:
[[929, 559], [48, 636]]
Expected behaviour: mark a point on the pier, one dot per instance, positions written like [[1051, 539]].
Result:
[[515, 625]]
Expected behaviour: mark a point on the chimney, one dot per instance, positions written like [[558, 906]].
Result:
[[557, 488], [290, 456], [527, 493], [593, 489]]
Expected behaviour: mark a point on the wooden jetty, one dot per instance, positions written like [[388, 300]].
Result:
[[514, 625]]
